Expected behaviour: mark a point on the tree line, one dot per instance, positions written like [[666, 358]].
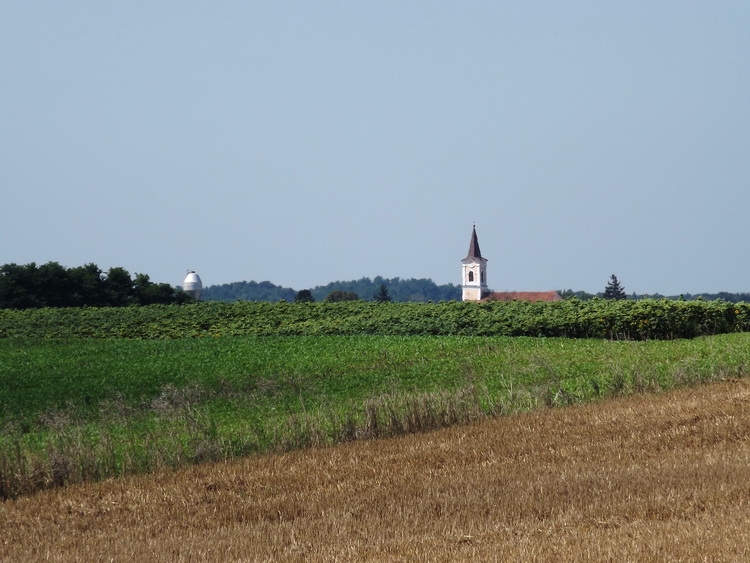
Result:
[[615, 290], [366, 289], [29, 286], [416, 291], [52, 285]]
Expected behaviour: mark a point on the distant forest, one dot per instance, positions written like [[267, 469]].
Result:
[[415, 290], [723, 295], [52, 285]]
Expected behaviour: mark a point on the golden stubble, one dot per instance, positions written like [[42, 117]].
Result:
[[651, 477]]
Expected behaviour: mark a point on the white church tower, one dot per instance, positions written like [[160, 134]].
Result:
[[474, 267]]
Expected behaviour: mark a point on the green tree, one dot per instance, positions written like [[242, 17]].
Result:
[[340, 295], [18, 286], [248, 291], [304, 296], [89, 288], [614, 290], [119, 287], [52, 285], [570, 294], [382, 295], [150, 293]]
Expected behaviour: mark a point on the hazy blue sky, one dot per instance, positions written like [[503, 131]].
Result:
[[304, 143]]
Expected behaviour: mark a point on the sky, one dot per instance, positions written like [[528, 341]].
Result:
[[308, 142]]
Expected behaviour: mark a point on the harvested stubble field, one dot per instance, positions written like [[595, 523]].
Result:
[[648, 477]]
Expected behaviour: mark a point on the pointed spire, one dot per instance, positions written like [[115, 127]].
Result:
[[474, 251]]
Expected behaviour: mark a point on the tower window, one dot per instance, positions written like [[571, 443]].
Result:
[[471, 276]]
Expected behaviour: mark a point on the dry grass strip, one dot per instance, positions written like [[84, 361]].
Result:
[[644, 478]]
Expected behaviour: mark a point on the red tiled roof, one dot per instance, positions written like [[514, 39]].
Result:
[[523, 296]]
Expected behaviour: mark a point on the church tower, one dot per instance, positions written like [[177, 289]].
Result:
[[474, 268]]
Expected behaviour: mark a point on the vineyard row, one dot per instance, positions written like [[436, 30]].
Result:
[[597, 318]]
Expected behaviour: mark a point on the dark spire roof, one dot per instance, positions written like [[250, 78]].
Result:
[[474, 251]]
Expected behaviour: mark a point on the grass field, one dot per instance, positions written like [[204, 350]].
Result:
[[86, 409], [650, 477]]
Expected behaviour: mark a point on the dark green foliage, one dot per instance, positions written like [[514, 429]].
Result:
[[304, 296], [150, 293], [723, 295], [338, 295], [570, 294], [248, 291], [120, 290], [382, 296], [400, 290], [614, 290], [643, 319], [51, 285], [413, 290]]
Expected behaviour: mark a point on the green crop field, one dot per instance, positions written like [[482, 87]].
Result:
[[88, 393], [598, 318], [78, 409]]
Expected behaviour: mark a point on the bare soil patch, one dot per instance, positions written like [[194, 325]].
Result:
[[641, 478]]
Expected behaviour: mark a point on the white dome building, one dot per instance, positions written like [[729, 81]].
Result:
[[192, 284]]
